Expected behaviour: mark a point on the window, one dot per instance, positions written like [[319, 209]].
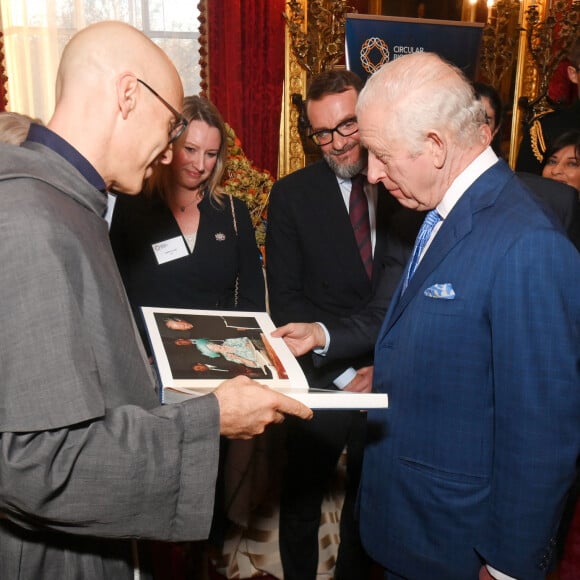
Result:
[[36, 31]]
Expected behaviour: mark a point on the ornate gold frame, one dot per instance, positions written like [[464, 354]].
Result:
[[526, 83], [291, 155]]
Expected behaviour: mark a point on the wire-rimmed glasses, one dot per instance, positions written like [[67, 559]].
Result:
[[180, 121]]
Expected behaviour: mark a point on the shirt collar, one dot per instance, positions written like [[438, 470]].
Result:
[[464, 180], [44, 136]]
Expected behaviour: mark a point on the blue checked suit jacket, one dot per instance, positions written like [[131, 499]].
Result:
[[479, 445]]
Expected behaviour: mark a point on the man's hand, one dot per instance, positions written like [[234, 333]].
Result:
[[247, 408], [301, 337], [362, 382]]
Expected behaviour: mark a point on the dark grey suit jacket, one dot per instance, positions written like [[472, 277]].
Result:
[[559, 198], [314, 268]]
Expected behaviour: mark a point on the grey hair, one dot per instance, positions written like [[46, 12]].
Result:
[[426, 93], [14, 127]]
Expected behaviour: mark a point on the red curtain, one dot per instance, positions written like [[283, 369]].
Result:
[[246, 72]]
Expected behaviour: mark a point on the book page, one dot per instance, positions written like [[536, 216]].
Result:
[[314, 398], [199, 349]]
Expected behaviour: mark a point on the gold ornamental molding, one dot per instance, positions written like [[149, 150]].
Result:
[[500, 39], [292, 155], [314, 43], [547, 30], [550, 31], [317, 32]]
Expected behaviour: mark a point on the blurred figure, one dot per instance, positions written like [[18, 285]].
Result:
[[539, 137], [555, 197], [178, 324], [563, 164], [494, 110]]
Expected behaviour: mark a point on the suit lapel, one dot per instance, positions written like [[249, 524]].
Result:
[[455, 227], [452, 231], [337, 224], [382, 211], [337, 230]]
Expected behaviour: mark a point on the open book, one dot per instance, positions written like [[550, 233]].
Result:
[[195, 350]]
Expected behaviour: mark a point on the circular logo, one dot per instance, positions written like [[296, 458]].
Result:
[[370, 47]]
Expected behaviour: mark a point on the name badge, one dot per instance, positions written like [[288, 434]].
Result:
[[169, 250]]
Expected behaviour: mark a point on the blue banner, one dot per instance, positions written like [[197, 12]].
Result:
[[372, 41]]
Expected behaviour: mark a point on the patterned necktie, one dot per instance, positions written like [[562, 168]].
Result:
[[431, 220], [358, 211]]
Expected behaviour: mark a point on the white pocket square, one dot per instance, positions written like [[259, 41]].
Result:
[[444, 291]]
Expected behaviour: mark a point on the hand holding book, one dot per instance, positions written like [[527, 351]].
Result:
[[301, 337], [247, 407]]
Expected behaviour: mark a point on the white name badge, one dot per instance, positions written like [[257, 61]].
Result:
[[169, 250]]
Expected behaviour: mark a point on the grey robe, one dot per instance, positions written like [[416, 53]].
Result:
[[88, 458]]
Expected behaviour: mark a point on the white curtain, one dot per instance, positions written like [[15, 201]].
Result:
[[36, 31]]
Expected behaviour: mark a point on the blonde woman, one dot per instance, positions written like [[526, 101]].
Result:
[[183, 243]]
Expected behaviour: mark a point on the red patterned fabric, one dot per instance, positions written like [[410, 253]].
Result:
[[561, 90], [3, 77], [570, 565], [246, 72]]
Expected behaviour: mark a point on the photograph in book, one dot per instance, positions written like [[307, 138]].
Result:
[[196, 350], [199, 349]]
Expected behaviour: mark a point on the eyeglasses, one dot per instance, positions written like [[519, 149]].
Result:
[[344, 129], [180, 121]]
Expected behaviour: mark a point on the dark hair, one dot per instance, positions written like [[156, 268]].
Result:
[[196, 108], [333, 82], [485, 90], [563, 140]]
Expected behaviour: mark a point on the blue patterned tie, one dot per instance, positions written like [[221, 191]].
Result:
[[431, 220]]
